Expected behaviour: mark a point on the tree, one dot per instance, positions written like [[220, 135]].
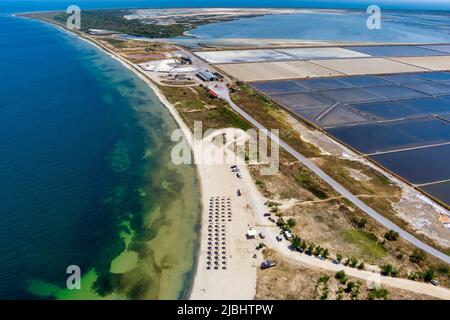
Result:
[[443, 269], [291, 223], [379, 293], [353, 262], [339, 257], [350, 286], [340, 293], [428, 275], [341, 276], [388, 270], [391, 235], [310, 248], [318, 250], [303, 245], [296, 241], [356, 290], [362, 223], [417, 256], [361, 266], [325, 253]]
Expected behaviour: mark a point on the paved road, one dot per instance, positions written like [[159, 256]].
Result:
[[270, 230], [223, 92]]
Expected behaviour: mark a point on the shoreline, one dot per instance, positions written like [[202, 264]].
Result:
[[201, 176], [173, 113]]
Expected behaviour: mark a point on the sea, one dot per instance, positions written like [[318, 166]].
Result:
[[85, 173]]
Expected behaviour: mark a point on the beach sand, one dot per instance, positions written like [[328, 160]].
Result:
[[238, 281]]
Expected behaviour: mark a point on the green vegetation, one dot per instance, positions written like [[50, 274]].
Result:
[[296, 242], [341, 276], [417, 256], [367, 242], [323, 283], [354, 288], [113, 20], [291, 223], [443, 269], [378, 293], [429, 275], [306, 180], [391, 235], [195, 104], [389, 270], [362, 223]]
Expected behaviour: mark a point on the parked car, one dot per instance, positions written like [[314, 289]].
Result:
[[272, 219], [261, 235], [287, 235], [335, 261], [233, 167], [266, 264], [239, 175], [279, 238], [320, 257], [267, 214], [434, 282]]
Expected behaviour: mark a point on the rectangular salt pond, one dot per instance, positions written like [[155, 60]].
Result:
[[418, 166], [396, 51], [322, 84], [264, 71], [352, 95], [430, 63], [435, 76], [322, 53], [367, 66], [395, 92], [437, 105], [365, 81], [303, 100], [387, 110], [431, 88], [403, 78], [440, 191], [439, 47], [388, 136], [278, 86], [391, 110], [233, 56]]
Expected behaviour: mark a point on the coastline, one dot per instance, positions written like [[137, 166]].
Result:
[[204, 179], [173, 113]]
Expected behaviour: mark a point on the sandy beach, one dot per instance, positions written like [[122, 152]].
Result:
[[238, 280]]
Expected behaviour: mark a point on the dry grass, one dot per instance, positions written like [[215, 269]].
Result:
[[288, 281]]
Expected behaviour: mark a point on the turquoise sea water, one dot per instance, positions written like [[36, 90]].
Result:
[[84, 163]]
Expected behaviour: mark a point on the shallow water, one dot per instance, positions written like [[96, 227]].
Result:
[[85, 175], [339, 26]]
